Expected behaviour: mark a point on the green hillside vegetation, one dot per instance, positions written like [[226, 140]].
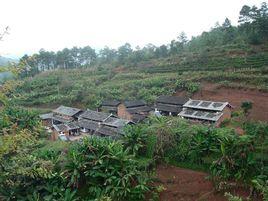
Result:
[[229, 55], [239, 45], [34, 168], [87, 88]]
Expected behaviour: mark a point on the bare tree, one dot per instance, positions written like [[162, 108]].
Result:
[[5, 32]]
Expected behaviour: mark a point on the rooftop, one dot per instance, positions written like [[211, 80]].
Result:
[[138, 117], [109, 131], [98, 127], [66, 127], [115, 122], [134, 103], [134, 110], [72, 125], [67, 111], [88, 124], [59, 127], [205, 105], [173, 100], [111, 103], [201, 115], [62, 118], [94, 115], [168, 107], [46, 116]]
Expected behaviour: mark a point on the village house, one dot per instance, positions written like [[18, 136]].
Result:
[[65, 114], [135, 111], [60, 115], [110, 106], [102, 124], [206, 111], [70, 130], [170, 105], [62, 120], [46, 119]]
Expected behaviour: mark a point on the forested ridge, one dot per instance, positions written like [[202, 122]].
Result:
[[252, 30]]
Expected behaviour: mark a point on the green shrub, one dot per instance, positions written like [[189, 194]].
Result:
[[246, 106], [135, 138], [106, 168]]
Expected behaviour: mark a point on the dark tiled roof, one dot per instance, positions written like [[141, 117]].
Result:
[[72, 125], [135, 103], [109, 131], [66, 127], [140, 109], [46, 116], [111, 103], [62, 119], [174, 100], [59, 127], [88, 124], [116, 122], [109, 108], [67, 111], [94, 115], [168, 108], [138, 117]]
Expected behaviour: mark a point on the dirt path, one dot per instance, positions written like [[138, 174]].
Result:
[[188, 185], [185, 185]]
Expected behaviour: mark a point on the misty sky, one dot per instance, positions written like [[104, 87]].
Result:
[[56, 24]]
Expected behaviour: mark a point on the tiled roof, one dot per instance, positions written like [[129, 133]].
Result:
[[88, 124], [46, 116], [112, 103], [134, 110], [116, 122], [59, 127], [138, 117], [67, 111], [174, 100], [66, 127], [168, 107], [94, 115], [109, 131], [62, 119], [72, 125], [134, 103]]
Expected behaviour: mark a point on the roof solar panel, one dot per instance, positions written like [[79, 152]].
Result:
[[205, 103], [217, 104], [194, 102], [211, 115], [200, 113], [189, 112]]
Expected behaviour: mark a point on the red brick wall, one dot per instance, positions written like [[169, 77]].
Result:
[[123, 113], [226, 115]]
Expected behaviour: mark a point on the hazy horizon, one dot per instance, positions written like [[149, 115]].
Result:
[[54, 25]]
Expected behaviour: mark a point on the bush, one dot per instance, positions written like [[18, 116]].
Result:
[[135, 138], [246, 106], [107, 169]]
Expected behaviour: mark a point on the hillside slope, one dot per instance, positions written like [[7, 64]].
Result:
[[88, 87]]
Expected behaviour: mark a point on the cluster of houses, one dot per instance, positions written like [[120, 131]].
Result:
[[109, 121]]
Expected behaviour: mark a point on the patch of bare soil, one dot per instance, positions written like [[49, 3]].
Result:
[[188, 185], [235, 97]]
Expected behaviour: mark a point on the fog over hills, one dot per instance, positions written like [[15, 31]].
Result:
[[5, 60]]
